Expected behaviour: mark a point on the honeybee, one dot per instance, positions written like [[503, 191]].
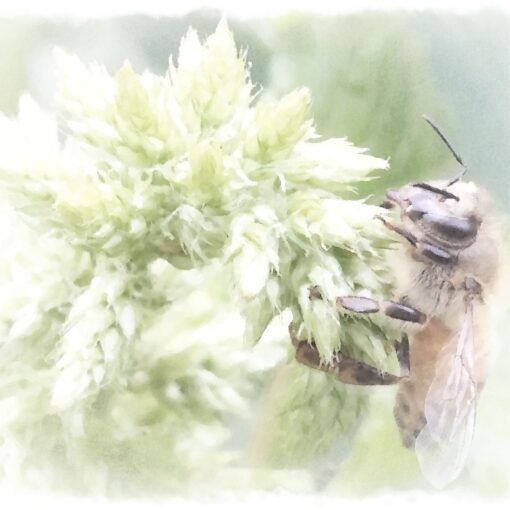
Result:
[[448, 260]]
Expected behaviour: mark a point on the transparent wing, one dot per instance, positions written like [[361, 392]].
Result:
[[443, 444]]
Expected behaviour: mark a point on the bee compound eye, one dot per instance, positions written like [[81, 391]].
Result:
[[451, 227]]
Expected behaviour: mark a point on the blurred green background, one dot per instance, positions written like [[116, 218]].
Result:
[[372, 76]]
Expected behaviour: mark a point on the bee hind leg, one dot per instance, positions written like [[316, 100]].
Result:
[[347, 369], [350, 370]]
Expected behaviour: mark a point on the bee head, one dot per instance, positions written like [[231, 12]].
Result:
[[444, 213], [447, 213]]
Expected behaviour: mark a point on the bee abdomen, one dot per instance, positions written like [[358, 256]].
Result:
[[412, 392], [408, 413]]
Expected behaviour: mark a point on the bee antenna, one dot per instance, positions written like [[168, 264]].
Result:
[[452, 150]]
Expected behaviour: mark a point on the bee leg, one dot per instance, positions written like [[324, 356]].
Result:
[[409, 236], [427, 249], [346, 369], [360, 304], [402, 351], [392, 309]]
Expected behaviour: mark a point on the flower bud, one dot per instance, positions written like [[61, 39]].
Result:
[[279, 127]]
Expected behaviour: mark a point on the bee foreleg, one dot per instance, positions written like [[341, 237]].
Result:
[[410, 237], [427, 249], [349, 370]]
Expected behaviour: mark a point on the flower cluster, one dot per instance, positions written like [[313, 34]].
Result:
[[148, 250]]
